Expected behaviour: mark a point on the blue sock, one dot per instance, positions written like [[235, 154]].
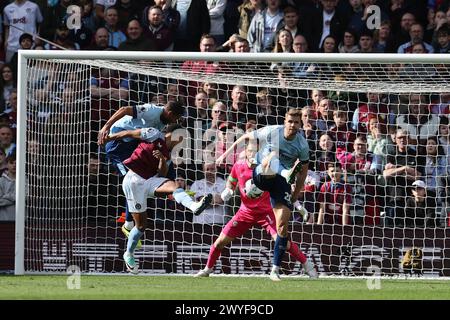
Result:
[[133, 239], [279, 250]]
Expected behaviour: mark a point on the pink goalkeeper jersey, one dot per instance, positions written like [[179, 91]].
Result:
[[241, 173]]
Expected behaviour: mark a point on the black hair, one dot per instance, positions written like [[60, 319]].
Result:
[[177, 107]]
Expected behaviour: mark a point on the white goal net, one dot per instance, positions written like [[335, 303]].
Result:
[[382, 122]]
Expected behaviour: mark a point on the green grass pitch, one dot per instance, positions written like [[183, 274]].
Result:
[[216, 287]]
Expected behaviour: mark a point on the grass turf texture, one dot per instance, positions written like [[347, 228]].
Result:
[[219, 288]]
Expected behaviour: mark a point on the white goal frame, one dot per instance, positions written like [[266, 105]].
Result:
[[25, 55]]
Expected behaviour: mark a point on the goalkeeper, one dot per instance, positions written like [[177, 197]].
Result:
[[275, 174], [131, 118], [253, 210], [146, 177]]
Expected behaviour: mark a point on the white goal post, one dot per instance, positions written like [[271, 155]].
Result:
[[65, 218]]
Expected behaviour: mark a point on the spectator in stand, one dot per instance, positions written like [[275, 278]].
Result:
[[116, 36], [207, 44], [381, 37], [83, 34], [328, 22], [211, 135], [439, 19], [158, 32], [420, 207], [436, 169], [62, 39], [283, 44], [135, 39], [418, 122], [377, 141], [8, 190], [342, 133], [101, 40], [444, 137], [199, 112], [24, 15], [442, 45], [229, 45], [247, 11], [6, 140], [291, 21], [127, 10], [266, 112], [416, 37], [3, 165], [238, 108], [316, 97], [362, 169], [302, 69], [171, 16], [355, 15], [366, 42], [401, 35], [402, 168], [375, 106], [101, 6], [348, 45], [325, 154], [263, 27], [210, 184], [324, 115], [226, 135], [88, 18], [194, 23], [309, 130], [9, 115], [172, 93], [358, 21], [329, 45], [212, 92], [7, 85], [26, 43], [52, 12], [335, 198], [216, 10]]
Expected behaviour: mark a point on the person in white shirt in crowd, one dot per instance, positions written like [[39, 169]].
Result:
[[24, 15], [211, 183]]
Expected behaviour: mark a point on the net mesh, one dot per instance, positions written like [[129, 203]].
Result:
[[74, 198]]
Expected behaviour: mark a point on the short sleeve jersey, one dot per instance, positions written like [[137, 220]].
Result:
[[271, 138]]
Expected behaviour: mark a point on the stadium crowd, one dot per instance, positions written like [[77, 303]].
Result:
[[375, 159]]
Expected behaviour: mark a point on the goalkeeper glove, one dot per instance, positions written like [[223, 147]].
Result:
[[226, 194]]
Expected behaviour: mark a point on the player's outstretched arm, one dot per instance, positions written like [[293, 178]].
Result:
[[241, 139], [135, 134], [123, 111]]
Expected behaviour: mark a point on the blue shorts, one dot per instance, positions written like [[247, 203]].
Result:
[[118, 151], [277, 186]]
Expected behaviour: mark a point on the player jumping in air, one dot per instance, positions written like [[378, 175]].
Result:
[[131, 118], [253, 210], [146, 178], [282, 160]]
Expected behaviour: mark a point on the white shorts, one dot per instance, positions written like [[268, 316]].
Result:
[[137, 190]]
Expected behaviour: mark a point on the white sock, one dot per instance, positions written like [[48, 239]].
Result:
[[129, 225], [182, 197], [208, 270], [275, 268]]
